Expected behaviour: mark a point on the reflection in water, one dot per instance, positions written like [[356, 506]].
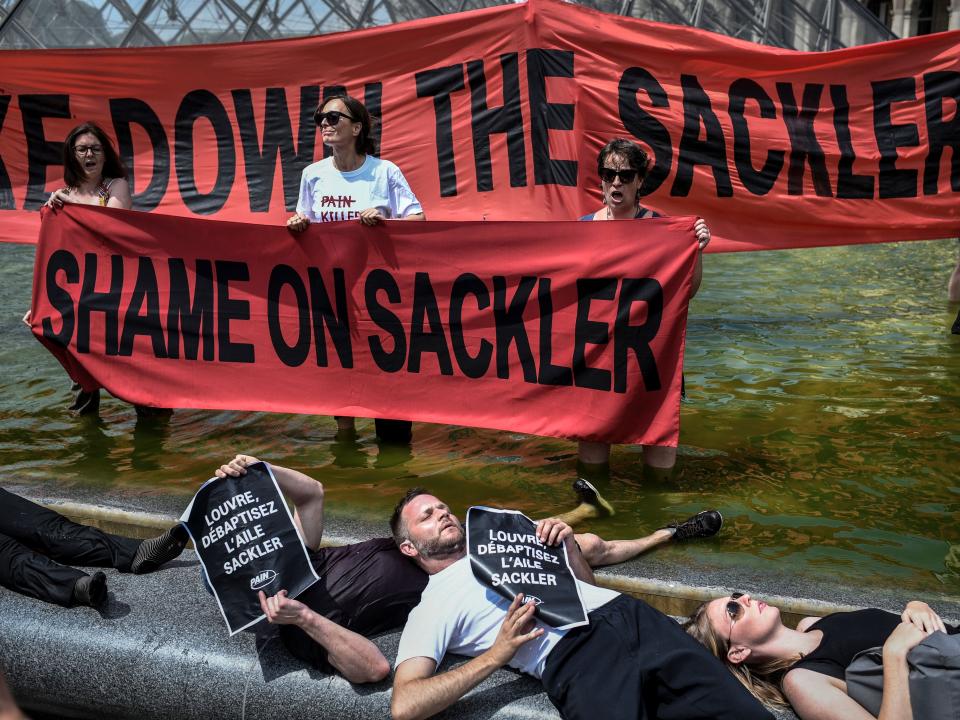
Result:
[[822, 420], [150, 431]]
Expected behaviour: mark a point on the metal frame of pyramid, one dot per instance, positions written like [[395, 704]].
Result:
[[795, 24]]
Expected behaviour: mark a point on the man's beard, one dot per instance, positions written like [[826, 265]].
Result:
[[443, 547]]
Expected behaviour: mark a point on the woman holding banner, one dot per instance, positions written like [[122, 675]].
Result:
[[622, 165], [93, 175], [354, 184]]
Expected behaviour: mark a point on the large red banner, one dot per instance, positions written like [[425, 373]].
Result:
[[499, 114], [570, 329]]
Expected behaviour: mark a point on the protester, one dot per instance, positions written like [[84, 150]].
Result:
[[368, 588], [94, 175], [808, 663], [622, 166], [354, 184], [631, 658], [35, 540]]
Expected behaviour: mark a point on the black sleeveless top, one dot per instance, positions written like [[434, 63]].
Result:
[[847, 633]]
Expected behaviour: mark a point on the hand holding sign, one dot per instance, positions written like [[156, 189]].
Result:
[[516, 557], [236, 467], [247, 541], [553, 531], [280, 609], [515, 630]]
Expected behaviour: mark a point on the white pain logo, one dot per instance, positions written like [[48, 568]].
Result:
[[528, 599], [261, 580]]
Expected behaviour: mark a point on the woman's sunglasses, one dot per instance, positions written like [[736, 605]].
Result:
[[626, 176], [735, 611], [332, 117]]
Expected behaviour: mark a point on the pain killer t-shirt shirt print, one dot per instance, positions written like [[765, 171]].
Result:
[[506, 555], [247, 541]]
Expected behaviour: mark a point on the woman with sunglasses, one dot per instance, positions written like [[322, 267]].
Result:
[[622, 165], [806, 666], [353, 184]]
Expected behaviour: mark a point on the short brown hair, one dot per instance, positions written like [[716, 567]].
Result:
[[626, 149], [397, 527]]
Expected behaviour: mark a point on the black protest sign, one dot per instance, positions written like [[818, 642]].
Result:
[[506, 555], [246, 541]]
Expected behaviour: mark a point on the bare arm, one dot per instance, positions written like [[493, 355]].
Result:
[[303, 491], [816, 696], [415, 216], [354, 657], [120, 195], [418, 693], [553, 531], [896, 674]]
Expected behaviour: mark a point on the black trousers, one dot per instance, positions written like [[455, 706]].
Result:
[[633, 662], [34, 541]]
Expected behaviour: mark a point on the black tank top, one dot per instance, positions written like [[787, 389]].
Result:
[[846, 634]]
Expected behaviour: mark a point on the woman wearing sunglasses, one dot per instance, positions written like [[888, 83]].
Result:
[[622, 165], [806, 666], [353, 184]]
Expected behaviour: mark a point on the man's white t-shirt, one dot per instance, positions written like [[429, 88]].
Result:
[[458, 614], [328, 195]]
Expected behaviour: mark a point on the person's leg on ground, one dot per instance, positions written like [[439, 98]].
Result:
[[599, 552], [64, 541], [51, 534], [635, 658], [34, 575]]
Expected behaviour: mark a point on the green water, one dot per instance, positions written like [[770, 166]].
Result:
[[822, 420]]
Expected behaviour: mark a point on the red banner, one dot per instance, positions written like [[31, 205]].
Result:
[[570, 329], [499, 114]]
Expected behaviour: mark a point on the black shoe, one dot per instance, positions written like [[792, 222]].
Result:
[[706, 523], [86, 403], [956, 325], [588, 494], [91, 590], [155, 552]]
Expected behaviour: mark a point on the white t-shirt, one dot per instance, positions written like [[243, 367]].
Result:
[[458, 614], [328, 195]]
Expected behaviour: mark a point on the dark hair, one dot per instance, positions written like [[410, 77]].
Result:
[[73, 173], [628, 149], [397, 527], [366, 145]]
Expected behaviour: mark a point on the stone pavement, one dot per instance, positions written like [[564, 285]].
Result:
[[159, 648]]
